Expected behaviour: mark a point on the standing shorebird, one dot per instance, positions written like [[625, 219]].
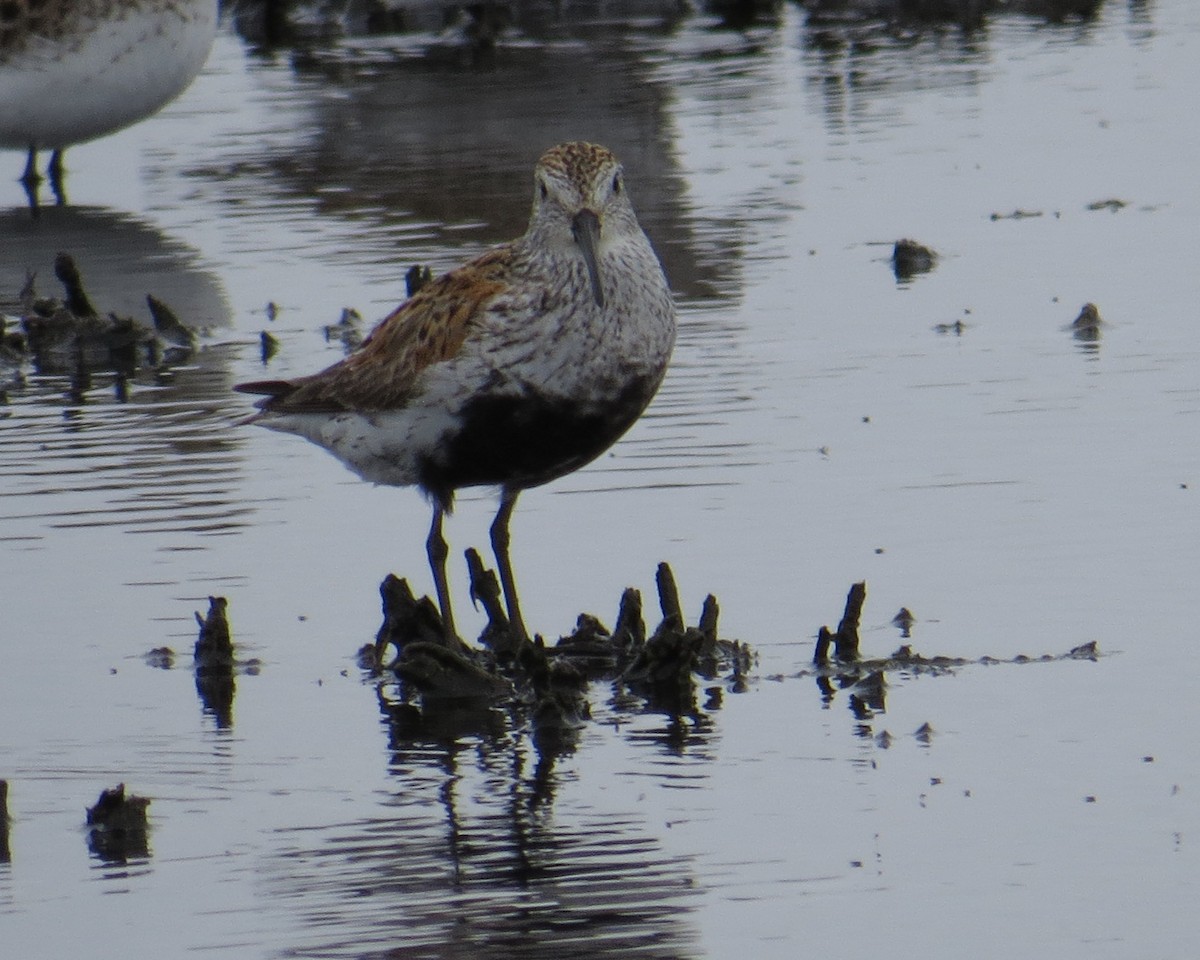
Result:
[[75, 70], [513, 370]]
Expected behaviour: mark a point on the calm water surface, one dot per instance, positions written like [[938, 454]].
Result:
[[1022, 491]]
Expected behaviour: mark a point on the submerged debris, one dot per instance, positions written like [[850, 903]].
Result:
[[117, 826]]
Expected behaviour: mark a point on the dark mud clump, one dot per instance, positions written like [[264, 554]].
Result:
[[117, 828], [213, 662], [1087, 327], [910, 259], [72, 337], [549, 682], [839, 665]]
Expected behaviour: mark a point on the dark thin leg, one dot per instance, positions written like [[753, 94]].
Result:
[[31, 179], [57, 177], [500, 540], [31, 176], [436, 547]]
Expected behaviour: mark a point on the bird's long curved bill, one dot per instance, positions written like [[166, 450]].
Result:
[[586, 230]]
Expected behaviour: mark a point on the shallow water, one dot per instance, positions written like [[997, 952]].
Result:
[[1021, 490]]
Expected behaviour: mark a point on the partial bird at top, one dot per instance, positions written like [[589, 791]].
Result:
[[72, 71]]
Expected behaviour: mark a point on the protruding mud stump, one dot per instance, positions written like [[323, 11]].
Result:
[[5, 852], [405, 619], [170, 329], [498, 635], [77, 300], [629, 634], [117, 828], [214, 646], [416, 277], [213, 662], [910, 258], [439, 667], [845, 641]]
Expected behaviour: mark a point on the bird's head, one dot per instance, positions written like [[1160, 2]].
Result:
[[580, 204]]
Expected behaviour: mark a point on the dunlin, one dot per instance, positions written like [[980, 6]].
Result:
[[515, 369], [74, 70]]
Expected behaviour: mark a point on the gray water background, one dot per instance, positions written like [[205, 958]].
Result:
[[1020, 490]]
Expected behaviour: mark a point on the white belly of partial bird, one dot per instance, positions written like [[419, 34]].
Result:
[[101, 67]]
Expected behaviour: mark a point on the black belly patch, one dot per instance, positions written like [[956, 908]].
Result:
[[522, 442]]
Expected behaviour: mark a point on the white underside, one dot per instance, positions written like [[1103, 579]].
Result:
[[55, 93], [381, 447]]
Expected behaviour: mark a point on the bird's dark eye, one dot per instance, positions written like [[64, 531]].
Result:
[[616, 187], [544, 191]]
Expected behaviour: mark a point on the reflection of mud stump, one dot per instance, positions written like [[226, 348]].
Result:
[[845, 641]]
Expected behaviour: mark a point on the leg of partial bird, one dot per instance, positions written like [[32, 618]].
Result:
[[31, 175], [30, 180], [436, 547], [57, 174], [500, 540]]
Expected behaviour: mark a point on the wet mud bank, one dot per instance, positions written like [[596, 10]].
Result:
[[72, 337], [547, 685]]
